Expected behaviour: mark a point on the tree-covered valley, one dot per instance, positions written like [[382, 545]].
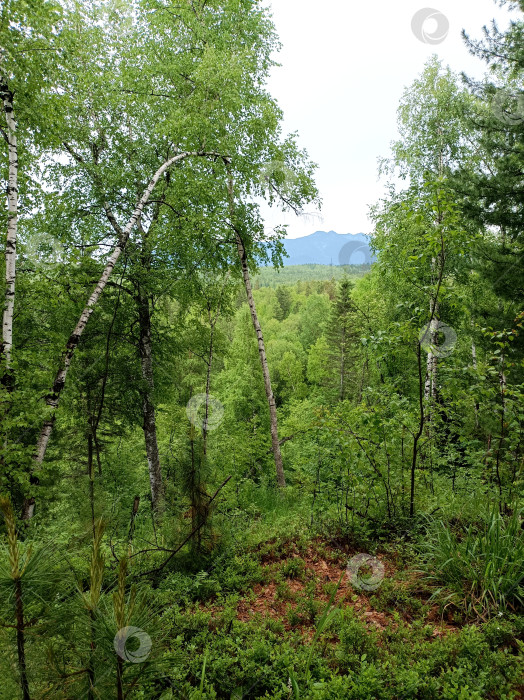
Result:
[[225, 478]]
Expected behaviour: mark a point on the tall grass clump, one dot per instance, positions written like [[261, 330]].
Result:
[[480, 570]]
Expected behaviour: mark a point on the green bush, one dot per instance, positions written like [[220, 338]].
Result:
[[357, 643], [294, 568]]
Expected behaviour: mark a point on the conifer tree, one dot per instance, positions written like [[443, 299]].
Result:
[[341, 335]]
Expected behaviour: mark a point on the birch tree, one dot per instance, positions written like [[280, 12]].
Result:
[[12, 223], [435, 141], [52, 399], [242, 254], [141, 94], [26, 53]]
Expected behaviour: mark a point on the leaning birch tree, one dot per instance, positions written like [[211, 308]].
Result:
[[152, 105]]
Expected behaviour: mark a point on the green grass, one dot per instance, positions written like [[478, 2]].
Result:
[[480, 571]]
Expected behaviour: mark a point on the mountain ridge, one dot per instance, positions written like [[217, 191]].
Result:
[[328, 248]]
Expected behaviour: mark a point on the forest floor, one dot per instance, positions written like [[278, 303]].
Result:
[[302, 579], [264, 611]]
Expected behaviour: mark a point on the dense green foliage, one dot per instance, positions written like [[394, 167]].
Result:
[[292, 274], [146, 549]]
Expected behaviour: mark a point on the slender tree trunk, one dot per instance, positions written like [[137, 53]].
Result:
[[91, 473], [437, 265], [15, 575], [281, 479], [12, 226], [430, 390], [503, 389], [119, 678], [148, 406], [134, 512], [91, 661], [503, 385], [342, 367], [474, 358], [208, 384], [430, 387], [20, 639], [146, 365], [96, 417], [212, 326], [53, 398], [365, 370], [424, 394], [418, 435]]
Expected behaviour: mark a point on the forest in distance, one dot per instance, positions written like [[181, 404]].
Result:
[[306, 274], [225, 478]]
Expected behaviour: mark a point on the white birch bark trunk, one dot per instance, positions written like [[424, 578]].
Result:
[[430, 391], [281, 480], [12, 225], [53, 398]]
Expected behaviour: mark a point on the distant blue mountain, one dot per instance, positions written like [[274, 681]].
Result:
[[329, 248]]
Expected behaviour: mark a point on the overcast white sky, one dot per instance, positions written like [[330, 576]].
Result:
[[344, 67]]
